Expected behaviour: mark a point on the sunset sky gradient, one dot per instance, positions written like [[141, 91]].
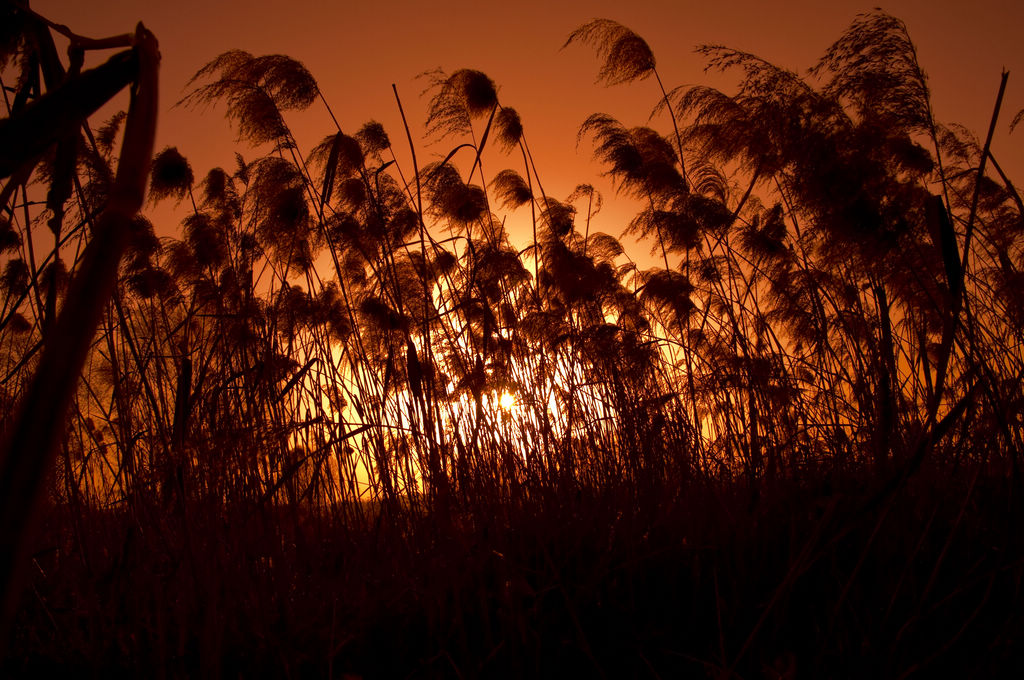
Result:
[[357, 50]]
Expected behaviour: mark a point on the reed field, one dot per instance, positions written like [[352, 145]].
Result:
[[341, 424]]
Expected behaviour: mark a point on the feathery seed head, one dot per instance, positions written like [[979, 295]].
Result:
[[452, 198], [108, 131], [207, 241], [170, 176], [508, 129], [255, 91], [373, 137], [557, 217], [15, 277], [457, 99], [511, 189], [144, 242], [10, 239], [587, 191], [625, 55]]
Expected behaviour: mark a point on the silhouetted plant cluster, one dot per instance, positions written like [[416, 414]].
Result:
[[337, 346]]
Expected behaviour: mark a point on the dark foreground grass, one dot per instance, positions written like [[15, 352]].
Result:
[[807, 580]]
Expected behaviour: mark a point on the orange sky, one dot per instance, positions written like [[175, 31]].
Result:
[[356, 50]]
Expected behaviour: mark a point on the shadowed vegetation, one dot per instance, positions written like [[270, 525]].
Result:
[[342, 424]]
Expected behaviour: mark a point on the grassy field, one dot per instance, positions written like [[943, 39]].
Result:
[[340, 426]]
